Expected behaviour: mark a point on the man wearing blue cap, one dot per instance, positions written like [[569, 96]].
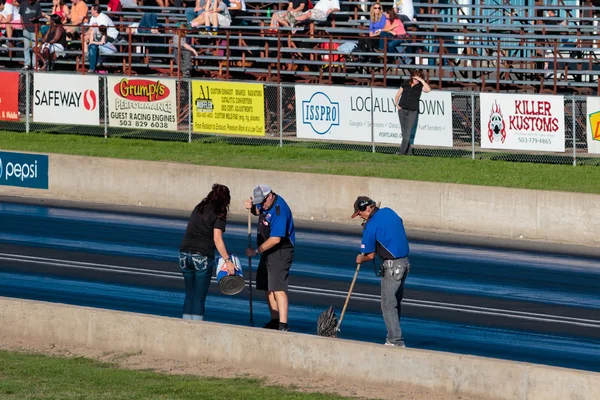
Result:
[[276, 238]]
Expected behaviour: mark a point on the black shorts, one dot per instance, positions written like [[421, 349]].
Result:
[[274, 270]]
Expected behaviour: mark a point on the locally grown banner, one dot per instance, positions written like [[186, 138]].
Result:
[[66, 99], [147, 103], [522, 122], [593, 125], [345, 114], [229, 107]]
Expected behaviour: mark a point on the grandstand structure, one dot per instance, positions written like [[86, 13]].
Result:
[[486, 45]]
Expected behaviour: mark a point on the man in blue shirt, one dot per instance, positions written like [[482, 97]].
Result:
[[276, 238], [384, 235]]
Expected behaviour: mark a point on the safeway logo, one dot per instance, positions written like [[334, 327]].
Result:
[[89, 100]]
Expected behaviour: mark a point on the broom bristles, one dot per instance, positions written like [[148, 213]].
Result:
[[327, 323]]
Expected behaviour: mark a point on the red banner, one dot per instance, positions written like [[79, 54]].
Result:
[[9, 96]]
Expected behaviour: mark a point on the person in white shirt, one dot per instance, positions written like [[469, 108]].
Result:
[[405, 10], [320, 11], [98, 19]]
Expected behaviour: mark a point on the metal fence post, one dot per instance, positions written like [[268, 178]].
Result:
[[472, 126], [105, 107], [574, 129], [280, 115], [27, 100], [372, 121], [190, 112]]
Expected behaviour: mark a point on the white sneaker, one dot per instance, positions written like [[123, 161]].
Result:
[[393, 345]]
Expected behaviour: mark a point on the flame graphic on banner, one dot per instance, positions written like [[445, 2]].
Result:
[[496, 129]]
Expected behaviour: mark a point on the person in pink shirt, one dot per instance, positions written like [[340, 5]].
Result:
[[394, 31]]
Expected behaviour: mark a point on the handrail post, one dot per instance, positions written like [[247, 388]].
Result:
[[83, 49], [227, 52], [440, 67], [35, 43], [498, 67], [555, 66], [178, 53], [330, 57], [278, 57], [129, 51]]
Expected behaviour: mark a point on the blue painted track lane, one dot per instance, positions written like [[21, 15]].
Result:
[[515, 305]]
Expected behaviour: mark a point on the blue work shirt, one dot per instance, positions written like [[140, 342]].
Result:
[[276, 221], [384, 234]]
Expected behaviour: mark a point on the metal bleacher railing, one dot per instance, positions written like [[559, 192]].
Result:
[[476, 47]]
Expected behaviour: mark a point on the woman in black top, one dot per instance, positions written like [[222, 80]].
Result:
[[197, 251], [55, 41], [407, 102]]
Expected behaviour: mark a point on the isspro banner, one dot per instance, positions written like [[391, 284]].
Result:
[[24, 170], [228, 107], [349, 114]]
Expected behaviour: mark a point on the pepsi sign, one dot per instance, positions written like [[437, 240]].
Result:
[[24, 170]]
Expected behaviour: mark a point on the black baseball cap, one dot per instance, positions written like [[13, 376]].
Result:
[[360, 200]]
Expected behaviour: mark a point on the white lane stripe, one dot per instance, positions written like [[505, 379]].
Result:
[[307, 290]]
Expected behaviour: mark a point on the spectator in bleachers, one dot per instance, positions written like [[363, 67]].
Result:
[[193, 13], [405, 10], [286, 18], [114, 6], [319, 13], [98, 19], [394, 29], [99, 45], [236, 8], [377, 22], [216, 13], [148, 24], [31, 12], [12, 21], [180, 41], [59, 8], [79, 11], [53, 43]]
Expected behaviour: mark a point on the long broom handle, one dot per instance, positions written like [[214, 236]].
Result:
[[348, 297], [250, 265]]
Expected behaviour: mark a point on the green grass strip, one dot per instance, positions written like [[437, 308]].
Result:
[[33, 376], [313, 158]]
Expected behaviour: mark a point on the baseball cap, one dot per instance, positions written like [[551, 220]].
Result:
[[360, 200], [260, 193]]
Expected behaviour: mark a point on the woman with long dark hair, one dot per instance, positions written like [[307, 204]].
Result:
[[197, 251], [52, 44]]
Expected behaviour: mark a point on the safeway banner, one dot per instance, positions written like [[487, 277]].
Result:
[[66, 99], [593, 125], [9, 96], [522, 122], [345, 114], [142, 103]]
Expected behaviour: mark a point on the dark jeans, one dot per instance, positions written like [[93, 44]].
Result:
[[392, 291], [148, 21], [93, 55], [408, 118], [197, 272]]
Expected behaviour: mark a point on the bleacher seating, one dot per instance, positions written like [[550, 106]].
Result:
[[475, 46]]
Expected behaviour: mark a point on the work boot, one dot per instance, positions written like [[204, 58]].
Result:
[[272, 324]]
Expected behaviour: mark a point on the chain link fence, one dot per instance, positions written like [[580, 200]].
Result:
[[280, 126]]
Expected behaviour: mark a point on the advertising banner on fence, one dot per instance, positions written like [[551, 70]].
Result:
[[24, 170], [9, 96], [229, 107], [66, 99], [344, 114], [142, 103], [522, 122], [593, 125]]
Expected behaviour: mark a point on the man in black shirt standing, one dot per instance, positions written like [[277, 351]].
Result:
[[407, 102]]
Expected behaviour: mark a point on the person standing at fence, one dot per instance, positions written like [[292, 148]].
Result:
[[276, 239], [407, 101], [31, 12], [197, 251], [384, 235]]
